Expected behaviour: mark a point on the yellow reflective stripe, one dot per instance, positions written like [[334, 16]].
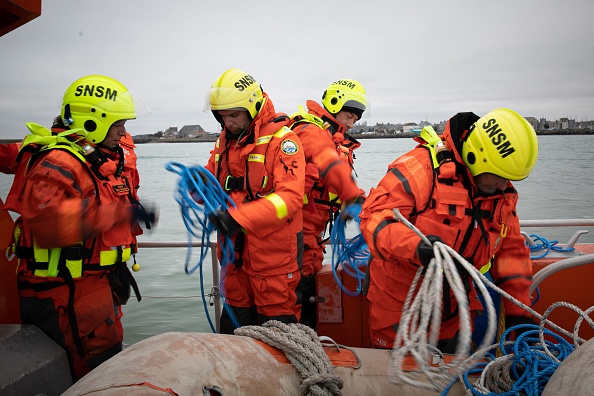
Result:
[[54, 258], [333, 197], [216, 158], [40, 255], [282, 132], [305, 199], [485, 268], [75, 268], [109, 257], [279, 205], [256, 158], [263, 140]]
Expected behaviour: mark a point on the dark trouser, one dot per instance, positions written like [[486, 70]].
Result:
[[309, 310]]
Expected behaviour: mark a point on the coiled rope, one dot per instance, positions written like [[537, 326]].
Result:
[[418, 331], [302, 347], [542, 243], [199, 196], [353, 254], [528, 365]]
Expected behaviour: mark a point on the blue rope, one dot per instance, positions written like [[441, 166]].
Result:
[[531, 368], [352, 254], [545, 245], [199, 196]]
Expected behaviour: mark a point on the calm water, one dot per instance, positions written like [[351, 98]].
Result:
[[560, 187]]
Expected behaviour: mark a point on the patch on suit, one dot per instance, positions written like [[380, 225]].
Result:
[[289, 147]]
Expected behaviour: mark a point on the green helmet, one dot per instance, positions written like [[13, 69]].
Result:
[[94, 103], [502, 143], [345, 95]]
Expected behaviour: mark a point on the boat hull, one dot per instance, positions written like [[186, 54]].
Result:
[[216, 364]]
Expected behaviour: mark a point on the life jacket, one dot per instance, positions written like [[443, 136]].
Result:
[[449, 196], [446, 202], [103, 251], [257, 182], [248, 168]]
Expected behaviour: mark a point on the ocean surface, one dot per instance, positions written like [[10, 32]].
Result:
[[560, 187]]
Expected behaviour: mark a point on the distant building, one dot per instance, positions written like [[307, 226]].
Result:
[[411, 127], [563, 123], [191, 131], [170, 132]]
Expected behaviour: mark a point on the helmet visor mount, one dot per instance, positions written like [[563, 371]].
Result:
[[347, 95], [357, 108]]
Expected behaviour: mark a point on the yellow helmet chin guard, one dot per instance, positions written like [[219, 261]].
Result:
[[236, 90], [502, 143], [345, 95], [94, 103]]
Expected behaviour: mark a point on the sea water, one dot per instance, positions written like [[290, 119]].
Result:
[[561, 186]]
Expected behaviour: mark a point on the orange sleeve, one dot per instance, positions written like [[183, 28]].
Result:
[[272, 212], [8, 154], [58, 203], [388, 239], [320, 149], [512, 268]]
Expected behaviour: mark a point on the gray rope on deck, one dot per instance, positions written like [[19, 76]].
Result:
[[302, 347]]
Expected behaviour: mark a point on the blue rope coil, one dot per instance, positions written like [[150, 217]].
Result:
[[545, 245], [353, 254], [531, 368], [199, 196]]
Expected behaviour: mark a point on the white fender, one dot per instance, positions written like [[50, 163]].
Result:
[[216, 364], [574, 374]]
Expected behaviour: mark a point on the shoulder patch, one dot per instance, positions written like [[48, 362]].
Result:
[[289, 147]]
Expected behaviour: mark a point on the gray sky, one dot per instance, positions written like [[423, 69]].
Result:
[[418, 59]]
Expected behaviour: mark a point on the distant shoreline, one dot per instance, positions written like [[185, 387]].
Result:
[[141, 140]]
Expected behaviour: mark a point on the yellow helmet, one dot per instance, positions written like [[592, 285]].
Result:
[[94, 103], [347, 95], [236, 90], [502, 143]]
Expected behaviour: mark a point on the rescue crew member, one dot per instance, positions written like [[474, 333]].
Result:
[[329, 155], [260, 163], [455, 189], [77, 197]]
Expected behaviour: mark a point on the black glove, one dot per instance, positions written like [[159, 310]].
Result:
[[513, 320], [425, 252], [146, 216], [224, 223]]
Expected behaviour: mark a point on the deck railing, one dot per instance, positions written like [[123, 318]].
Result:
[[215, 293]]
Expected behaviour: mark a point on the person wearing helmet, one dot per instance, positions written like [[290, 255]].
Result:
[[260, 163], [456, 189], [328, 149], [76, 192]]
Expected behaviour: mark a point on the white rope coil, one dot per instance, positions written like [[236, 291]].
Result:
[[418, 331], [302, 347]]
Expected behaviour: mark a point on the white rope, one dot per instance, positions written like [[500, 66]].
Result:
[[418, 331], [302, 347]]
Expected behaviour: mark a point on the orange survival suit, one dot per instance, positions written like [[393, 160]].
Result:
[[444, 202], [263, 172], [329, 157], [73, 239]]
